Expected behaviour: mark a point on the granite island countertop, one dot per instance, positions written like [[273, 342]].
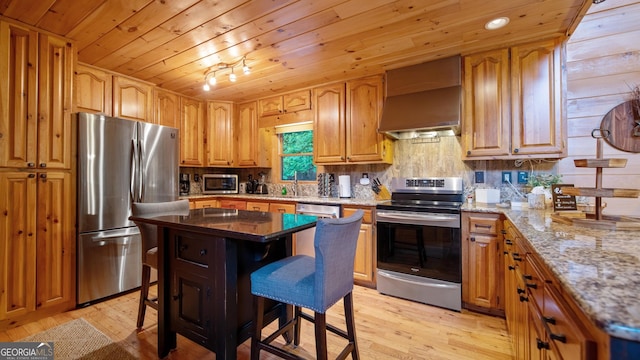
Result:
[[599, 268]]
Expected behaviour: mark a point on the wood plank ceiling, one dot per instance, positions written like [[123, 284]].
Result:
[[289, 44]]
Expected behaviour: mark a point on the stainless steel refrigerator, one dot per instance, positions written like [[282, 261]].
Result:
[[119, 162]]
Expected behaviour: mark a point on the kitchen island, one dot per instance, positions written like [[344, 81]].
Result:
[[598, 269], [204, 264]]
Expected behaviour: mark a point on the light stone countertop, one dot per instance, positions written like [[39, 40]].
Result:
[[301, 199], [599, 268]]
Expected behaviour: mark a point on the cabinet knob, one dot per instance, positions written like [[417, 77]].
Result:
[[31, 165], [31, 176], [516, 150], [468, 152], [43, 165], [43, 176], [473, 239], [203, 252]]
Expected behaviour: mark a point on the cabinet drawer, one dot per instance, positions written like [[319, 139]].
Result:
[[257, 206], [193, 250], [483, 225], [367, 218], [200, 204], [282, 208], [565, 334], [233, 204]]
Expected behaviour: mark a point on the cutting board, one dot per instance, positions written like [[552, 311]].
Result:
[[620, 123]]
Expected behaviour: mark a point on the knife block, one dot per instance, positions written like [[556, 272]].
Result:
[[384, 194]]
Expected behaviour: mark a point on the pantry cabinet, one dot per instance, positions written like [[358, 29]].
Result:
[[220, 142], [166, 107], [287, 103], [192, 130], [37, 245], [35, 85], [93, 90], [346, 123], [132, 99], [515, 102]]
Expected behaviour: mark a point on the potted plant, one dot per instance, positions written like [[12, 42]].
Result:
[[540, 194]]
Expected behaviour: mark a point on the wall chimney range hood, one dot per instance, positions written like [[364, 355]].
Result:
[[423, 98]]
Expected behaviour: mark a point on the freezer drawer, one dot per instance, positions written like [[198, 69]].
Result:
[[109, 262]]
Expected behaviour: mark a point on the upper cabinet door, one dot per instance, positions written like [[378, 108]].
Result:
[[329, 139], [167, 108], [486, 126], [55, 75], [220, 134], [296, 101], [364, 109], [93, 90], [247, 134], [18, 92], [132, 99], [191, 132], [271, 106], [538, 106]]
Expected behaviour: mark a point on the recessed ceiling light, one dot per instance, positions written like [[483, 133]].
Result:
[[496, 23]]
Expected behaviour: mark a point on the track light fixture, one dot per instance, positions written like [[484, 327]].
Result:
[[210, 76]]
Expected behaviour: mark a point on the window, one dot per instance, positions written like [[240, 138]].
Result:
[[296, 153]]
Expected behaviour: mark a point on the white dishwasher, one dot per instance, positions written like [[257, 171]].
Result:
[[304, 239]]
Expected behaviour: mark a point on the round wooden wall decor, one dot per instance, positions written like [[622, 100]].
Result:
[[620, 123]]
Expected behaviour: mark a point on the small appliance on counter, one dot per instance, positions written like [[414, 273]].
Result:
[[220, 184], [185, 185], [344, 186], [252, 185]]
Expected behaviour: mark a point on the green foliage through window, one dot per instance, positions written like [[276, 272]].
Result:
[[297, 155]]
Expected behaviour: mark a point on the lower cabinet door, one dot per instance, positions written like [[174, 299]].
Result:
[[190, 314]]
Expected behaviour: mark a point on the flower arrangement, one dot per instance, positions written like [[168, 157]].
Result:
[[540, 195], [544, 180]]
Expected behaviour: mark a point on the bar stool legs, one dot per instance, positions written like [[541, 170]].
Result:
[[321, 327]]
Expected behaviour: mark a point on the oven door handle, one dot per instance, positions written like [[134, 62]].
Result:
[[320, 215], [417, 217]]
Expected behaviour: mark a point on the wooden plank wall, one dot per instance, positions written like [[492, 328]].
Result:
[[603, 64]]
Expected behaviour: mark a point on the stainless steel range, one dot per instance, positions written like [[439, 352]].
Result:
[[419, 241]]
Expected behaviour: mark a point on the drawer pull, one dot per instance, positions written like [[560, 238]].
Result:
[[542, 344], [524, 299], [506, 253], [512, 267], [549, 320], [558, 337], [517, 258], [203, 252], [531, 286], [483, 226], [527, 277], [509, 242], [521, 291]]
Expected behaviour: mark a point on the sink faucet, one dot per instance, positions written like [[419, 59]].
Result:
[[294, 188]]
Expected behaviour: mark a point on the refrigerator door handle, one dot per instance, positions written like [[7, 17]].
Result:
[[132, 187], [141, 158]]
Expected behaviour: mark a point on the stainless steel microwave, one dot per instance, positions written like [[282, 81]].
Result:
[[219, 184]]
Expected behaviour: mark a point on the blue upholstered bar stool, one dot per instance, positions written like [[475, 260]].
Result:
[[313, 283], [149, 236]]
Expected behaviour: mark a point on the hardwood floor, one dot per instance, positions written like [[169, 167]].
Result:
[[386, 328]]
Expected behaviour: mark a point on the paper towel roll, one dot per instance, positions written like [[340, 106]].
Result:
[[344, 186]]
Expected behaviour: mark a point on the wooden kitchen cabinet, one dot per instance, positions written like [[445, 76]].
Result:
[[166, 107], [35, 85], [233, 204], [364, 266], [482, 286], [291, 102], [346, 123], [253, 143], [515, 102], [220, 142], [93, 90], [544, 322], [132, 99], [258, 206], [37, 245], [192, 130], [282, 208]]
